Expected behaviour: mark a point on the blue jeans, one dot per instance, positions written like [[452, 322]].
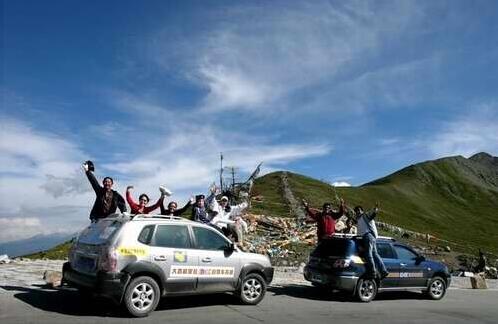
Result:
[[374, 261]]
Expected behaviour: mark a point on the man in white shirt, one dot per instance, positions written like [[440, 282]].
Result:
[[368, 230], [228, 218]]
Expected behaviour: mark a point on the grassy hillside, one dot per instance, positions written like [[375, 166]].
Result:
[[58, 252], [454, 198]]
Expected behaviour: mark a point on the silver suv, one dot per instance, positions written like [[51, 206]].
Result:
[[135, 260]]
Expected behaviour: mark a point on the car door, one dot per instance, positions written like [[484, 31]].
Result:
[[388, 256], [411, 272], [171, 249], [219, 264]]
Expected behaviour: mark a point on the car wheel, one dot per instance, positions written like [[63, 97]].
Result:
[[141, 296], [252, 289], [436, 288], [366, 290]]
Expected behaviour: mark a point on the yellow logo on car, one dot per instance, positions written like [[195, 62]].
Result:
[[133, 250]]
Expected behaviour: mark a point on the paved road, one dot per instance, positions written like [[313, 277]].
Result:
[[292, 304]]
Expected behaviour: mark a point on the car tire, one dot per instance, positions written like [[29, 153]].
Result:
[[141, 296], [252, 289], [436, 288], [366, 290]]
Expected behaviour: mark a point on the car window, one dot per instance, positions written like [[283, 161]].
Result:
[[334, 248], [146, 234], [209, 240], [172, 236], [385, 251], [100, 232], [404, 253]]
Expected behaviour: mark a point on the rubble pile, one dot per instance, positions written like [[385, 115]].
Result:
[[274, 235]]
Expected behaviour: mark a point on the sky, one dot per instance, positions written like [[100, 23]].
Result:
[[153, 91]]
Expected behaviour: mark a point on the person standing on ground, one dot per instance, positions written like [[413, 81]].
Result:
[[368, 231], [325, 219], [143, 200], [107, 200]]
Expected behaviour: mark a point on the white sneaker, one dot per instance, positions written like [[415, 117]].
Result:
[[165, 191]]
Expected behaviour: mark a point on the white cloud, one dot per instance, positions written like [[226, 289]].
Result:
[[474, 132], [188, 161], [254, 57], [28, 152], [39, 172], [17, 228], [341, 184]]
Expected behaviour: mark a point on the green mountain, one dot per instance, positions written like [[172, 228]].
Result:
[[454, 198]]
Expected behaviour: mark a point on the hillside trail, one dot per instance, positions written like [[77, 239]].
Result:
[[295, 206]]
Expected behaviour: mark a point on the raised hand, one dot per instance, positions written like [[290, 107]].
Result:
[[129, 188]]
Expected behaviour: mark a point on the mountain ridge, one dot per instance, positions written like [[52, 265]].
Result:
[[453, 198]]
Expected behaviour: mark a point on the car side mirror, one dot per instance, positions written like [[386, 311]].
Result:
[[230, 248], [419, 259]]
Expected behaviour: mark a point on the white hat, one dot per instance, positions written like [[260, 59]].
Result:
[[165, 191], [224, 198]]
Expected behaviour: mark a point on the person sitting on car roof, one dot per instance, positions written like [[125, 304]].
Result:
[[172, 208], [368, 230], [107, 200], [143, 200], [228, 218], [199, 210], [325, 219]]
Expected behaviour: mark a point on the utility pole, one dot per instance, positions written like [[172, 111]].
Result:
[[221, 171], [233, 177]]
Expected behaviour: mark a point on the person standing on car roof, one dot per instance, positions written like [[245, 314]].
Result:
[[143, 200], [368, 231], [325, 220], [107, 200]]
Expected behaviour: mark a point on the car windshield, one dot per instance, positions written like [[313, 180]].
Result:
[[334, 248], [100, 232]]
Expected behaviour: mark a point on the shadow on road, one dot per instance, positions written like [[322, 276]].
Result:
[[65, 301], [197, 301], [315, 293], [71, 302]]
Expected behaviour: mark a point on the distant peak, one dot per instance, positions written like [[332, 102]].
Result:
[[481, 156]]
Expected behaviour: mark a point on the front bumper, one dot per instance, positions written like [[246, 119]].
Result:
[[345, 281], [111, 285]]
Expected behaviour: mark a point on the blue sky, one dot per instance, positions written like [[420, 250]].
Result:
[[343, 91]]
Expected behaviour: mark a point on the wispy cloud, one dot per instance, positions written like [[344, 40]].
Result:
[[254, 57], [474, 132]]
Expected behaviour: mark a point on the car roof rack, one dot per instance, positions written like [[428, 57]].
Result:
[[344, 235], [149, 216], [348, 235]]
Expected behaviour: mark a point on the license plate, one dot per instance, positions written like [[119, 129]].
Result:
[[85, 264]]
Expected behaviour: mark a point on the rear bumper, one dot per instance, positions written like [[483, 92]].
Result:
[[340, 281], [111, 285]]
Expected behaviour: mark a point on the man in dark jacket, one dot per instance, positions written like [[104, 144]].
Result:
[[107, 200], [325, 220]]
